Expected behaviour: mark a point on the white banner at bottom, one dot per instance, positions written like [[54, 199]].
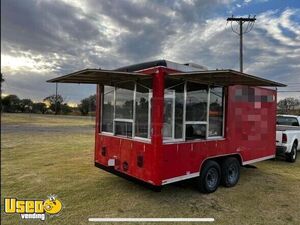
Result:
[[151, 219]]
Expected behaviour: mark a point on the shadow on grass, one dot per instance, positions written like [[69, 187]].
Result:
[[184, 187]]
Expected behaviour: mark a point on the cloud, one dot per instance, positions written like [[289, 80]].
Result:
[[269, 51], [46, 26], [45, 39]]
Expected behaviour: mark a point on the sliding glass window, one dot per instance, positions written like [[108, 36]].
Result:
[[108, 109], [124, 109], [216, 106], [191, 111], [142, 115], [196, 111], [179, 103], [173, 110]]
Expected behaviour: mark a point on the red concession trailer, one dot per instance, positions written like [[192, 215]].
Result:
[[161, 122]]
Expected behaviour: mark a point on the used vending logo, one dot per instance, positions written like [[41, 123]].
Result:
[[33, 209]]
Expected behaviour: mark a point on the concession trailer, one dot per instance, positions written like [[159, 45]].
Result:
[[161, 122]]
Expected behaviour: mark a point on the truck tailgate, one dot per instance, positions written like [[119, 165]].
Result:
[[278, 137], [285, 128]]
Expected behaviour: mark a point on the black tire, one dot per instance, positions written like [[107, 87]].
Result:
[[210, 176], [230, 169], [292, 156]]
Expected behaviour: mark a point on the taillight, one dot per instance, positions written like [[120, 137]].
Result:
[[284, 138]]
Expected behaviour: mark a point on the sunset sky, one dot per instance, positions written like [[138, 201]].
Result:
[[42, 39]]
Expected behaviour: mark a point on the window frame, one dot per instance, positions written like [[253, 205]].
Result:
[[149, 114], [173, 95], [101, 113], [223, 117], [206, 122], [185, 122], [113, 133]]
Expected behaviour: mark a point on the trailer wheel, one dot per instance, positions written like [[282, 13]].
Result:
[[230, 168], [292, 156], [209, 178]]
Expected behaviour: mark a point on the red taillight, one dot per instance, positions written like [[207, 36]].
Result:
[[284, 138]]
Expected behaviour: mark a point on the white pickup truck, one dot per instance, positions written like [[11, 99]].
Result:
[[288, 136]]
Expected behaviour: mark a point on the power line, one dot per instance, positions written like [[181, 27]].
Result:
[[240, 21]]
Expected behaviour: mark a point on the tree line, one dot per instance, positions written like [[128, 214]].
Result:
[[56, 105], [53, 104], [289, 106]]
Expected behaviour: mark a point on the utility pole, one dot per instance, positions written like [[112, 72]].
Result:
[[240, 21], [1, 80], [56, 98]]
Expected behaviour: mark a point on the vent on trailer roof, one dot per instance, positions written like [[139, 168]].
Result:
[[196, 66]]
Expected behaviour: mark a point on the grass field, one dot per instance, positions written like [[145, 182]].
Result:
[[44, 155]]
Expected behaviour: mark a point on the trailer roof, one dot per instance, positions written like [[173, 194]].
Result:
[[212, 77], [186, 67]]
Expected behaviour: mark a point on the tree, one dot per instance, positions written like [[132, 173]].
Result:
[[10, 103], [288, 104], [2, 80], [25, 105], [55, 102], [65, 109], [39, 107], [88, 105]]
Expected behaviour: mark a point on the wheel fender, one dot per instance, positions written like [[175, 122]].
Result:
[[220, 156]]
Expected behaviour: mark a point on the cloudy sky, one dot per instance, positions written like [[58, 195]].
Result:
[[42, 39]]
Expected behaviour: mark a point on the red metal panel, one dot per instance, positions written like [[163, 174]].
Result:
[[157, 121], [126, 150], [251, 126], [184, 158], [171, 167], [98, 117], [147, 171], [126, 156]]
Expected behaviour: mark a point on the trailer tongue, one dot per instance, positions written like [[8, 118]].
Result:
[[161, 122]]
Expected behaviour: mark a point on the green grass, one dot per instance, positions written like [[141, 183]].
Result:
[[46, 120], [44, 155]]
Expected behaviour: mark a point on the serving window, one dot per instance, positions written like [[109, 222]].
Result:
[[124, 102], [196, 111], [126, 109], [192, 111]]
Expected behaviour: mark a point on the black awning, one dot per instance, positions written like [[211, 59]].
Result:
[[210, 77], [224, 78], [98, 76]]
